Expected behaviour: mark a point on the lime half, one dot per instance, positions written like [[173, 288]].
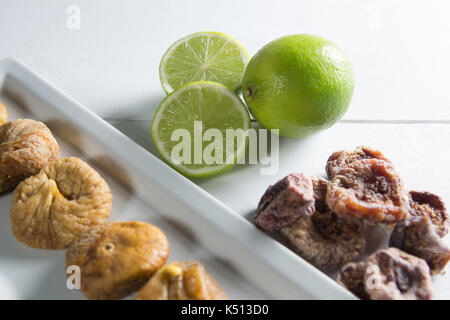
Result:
[[203, 56], [201, 129]]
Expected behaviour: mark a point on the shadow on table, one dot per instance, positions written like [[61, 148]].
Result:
[[136, 126]]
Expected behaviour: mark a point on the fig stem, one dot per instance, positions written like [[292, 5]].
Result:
[[173, 271]]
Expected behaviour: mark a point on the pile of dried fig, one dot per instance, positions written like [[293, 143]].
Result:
[[64, 203], [363, 188]]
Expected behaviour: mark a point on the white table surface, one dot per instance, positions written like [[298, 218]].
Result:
[[399, 49]]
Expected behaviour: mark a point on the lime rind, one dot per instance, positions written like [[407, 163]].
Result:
[[225, 64], [238, 109], [300, 84]]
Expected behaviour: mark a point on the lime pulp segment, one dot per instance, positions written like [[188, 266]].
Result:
[[203, 56], [201, 115]]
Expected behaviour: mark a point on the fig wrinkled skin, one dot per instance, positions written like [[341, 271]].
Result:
[[187, 280], [283, 203], [117, 258], [325, 245], [369, 189], [351, 277], [418, 236], [52, 208], [427, 204], [341, 159], [325, 239], [320, 186], [3, 114], [26, 147], [392, 274]]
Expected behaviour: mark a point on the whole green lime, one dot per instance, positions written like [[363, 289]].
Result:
[[300, 84]]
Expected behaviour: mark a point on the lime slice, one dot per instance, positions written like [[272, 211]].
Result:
[[200, 129], [203, 56]]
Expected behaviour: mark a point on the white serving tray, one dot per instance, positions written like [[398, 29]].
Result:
[[247, 263]]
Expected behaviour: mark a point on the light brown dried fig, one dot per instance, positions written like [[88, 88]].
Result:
[[51, 209], [26, 146], [187, 280], [117, 258]]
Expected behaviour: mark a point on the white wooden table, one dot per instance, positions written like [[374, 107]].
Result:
[[399, 49]]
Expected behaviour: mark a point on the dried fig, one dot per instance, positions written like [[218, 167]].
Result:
[[392, 274], [369, 189], [26, 146], [285, 202], [351, 277], [186, 280], [320, 186], [3, 114], [341, 159], [429, 205], [417, 236], [51, 209], [117, 258], [326, 240]]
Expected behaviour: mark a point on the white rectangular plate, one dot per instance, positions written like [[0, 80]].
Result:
[[247, 263]]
